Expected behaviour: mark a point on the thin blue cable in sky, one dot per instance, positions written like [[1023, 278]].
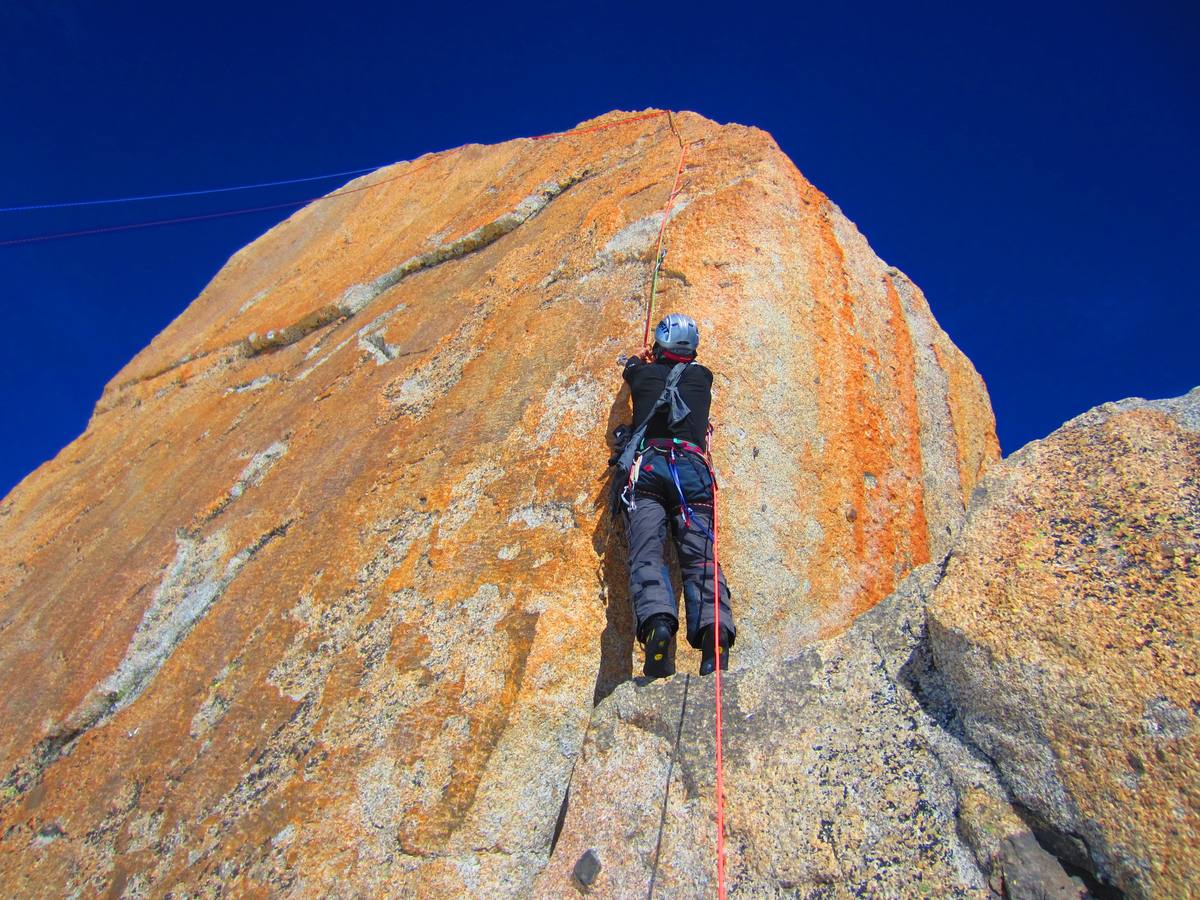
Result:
[[222, 190]]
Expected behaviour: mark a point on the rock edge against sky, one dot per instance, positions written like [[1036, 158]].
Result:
[[327, 590]]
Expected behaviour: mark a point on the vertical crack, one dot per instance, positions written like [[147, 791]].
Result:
[[662, 821]]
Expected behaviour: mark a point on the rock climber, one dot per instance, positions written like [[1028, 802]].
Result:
[[667, 485]]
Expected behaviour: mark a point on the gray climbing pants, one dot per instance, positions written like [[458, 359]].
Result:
[[657, 514]]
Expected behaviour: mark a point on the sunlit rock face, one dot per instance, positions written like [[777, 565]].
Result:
[[323, 597]]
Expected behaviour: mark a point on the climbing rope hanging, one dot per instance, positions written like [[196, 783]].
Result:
[[659, 255], [662, 229], [179, 220], [717, 687]]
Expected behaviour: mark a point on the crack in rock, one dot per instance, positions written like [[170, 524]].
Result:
[[357, 297], [252, 476]]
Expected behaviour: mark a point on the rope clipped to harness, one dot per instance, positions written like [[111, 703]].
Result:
[[685, 508]]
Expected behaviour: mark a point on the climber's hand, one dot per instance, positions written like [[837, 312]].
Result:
[[634, 353]]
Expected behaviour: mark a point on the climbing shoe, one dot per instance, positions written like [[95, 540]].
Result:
[[656, 635], [708, 653]]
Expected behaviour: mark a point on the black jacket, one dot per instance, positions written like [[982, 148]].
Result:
[[646, 383]]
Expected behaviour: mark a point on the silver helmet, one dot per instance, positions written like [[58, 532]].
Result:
[[678, 334]]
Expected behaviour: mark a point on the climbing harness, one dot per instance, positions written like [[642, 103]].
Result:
[[685, 508], [630, 459]]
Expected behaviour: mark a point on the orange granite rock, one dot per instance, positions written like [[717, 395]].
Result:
[[325, 593]]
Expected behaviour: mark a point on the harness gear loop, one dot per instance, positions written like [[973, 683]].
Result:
[[628, 496]]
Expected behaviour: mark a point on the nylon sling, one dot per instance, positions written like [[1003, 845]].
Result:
[[669, 397]]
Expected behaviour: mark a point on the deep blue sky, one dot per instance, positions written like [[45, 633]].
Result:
[[1033, 168]]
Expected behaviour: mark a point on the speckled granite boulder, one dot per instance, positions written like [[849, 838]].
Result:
[[1066, 630]]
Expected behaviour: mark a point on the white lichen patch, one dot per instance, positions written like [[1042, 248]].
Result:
[[414, 395], [370, 337], [474, 620], [378, 799], [324, 633], [215, 705], [637, 239], [465, 497], [192, 583], [375, 345], [356, 297], [257, 384], [260, 464], [558, 516], [253, 301], [570, 406]]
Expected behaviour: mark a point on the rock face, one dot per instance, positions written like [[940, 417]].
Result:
[[326, 591], [1066, 629], [833, 778], [847, 775]]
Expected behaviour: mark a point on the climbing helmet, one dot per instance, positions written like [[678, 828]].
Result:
[[678, 334]]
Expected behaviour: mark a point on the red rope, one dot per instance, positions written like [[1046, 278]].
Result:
[[662, 230], [717, 685], [658, 258]]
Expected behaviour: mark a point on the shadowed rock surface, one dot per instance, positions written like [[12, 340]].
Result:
[[1066, 628], [323, 596]]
